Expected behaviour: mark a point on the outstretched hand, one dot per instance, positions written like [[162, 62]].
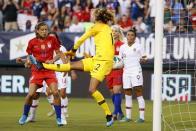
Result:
[[70, 53]]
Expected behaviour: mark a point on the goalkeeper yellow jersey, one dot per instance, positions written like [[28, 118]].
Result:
[[103, 39]]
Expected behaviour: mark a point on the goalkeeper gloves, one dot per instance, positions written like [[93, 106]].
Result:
[[71, 53]]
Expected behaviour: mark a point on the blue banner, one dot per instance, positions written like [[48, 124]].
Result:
[[177, 48]]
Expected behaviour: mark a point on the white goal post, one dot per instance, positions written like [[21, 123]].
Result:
[[157, 103]]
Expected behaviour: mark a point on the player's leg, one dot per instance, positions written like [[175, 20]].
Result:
[[78, 65], [50, 100], [128, 97], [31, 117], [109, 81], [57, 101], [141, 102], [64, 105], [94, 83], [28, 101], [137, 81], [118, 101], [117, 85]]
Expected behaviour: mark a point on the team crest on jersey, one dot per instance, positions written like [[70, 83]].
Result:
[[49, 45], [134, 49], [43, 47]]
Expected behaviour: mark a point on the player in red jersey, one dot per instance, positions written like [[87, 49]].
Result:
[[42, 48], [114, 79]]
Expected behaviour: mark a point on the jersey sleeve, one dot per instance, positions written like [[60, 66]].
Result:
[[120, 51], [63, 49], [92, 31], [29, 48]]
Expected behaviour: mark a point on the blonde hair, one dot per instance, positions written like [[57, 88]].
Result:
[[120, 31]]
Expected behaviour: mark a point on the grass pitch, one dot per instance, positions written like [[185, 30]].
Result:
[[84, 115]]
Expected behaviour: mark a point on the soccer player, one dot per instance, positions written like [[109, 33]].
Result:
[[42, 47], [132, 53], [98, 66], [114, 79]]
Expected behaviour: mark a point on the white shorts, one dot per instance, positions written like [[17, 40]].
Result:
[[42, 89], [62, 80], [132, 80]]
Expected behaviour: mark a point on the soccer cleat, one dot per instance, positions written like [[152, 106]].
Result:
[[140, 120], [120, 116], [51, 113], [63, 121], [36, 63], [30, 119], [109, 120], [125, 120], [22, 120], [59, 123]]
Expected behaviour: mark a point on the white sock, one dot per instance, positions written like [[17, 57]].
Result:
[[141, 106], [50, 100], [34, 108], [128, 105], [64, 104]]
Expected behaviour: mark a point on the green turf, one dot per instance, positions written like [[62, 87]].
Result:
[[84, 115]]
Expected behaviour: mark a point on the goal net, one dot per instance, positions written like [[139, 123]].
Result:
[[179, 66]]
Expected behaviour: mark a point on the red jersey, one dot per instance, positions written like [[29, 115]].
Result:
[[129, 23], [79, 14], [42, 50], [117, 47]]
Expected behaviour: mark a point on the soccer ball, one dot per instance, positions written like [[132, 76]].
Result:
[[117, 63]]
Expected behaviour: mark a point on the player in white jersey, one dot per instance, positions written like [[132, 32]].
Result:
[[132, 53]]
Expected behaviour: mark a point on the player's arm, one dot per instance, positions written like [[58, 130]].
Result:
[[20, 60], [27, 62], [73, 75], [57, 57], [85, 36], [144, 57]]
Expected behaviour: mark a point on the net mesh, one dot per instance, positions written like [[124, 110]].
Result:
[[179, 72]]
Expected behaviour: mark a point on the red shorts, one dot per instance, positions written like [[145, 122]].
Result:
[[38, 77], [114, 78]]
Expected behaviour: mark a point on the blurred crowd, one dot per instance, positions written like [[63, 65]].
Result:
[[74, 15]]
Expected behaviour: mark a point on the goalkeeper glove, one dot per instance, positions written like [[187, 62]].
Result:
[[71, 53]]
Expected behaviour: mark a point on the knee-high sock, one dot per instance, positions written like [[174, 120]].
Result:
[[113, 98], [100, 100], [64, 105], [128, 106], [57, 67], [141, 106], [34, 108], [58, 111], [26, 109], [117, 103], [50, 100]]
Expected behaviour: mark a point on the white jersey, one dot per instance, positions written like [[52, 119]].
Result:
[[131, 56], [62, 48]]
